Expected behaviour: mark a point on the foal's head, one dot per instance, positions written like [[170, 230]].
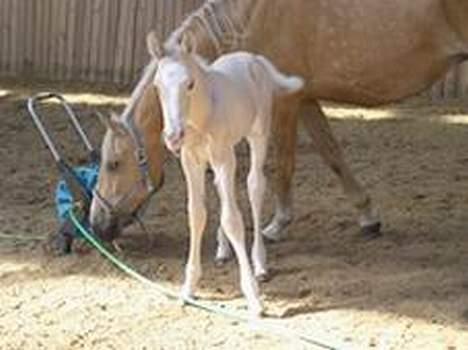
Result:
[[123, 188], [178, 80]]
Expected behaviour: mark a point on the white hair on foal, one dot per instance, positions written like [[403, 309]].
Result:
[[207, 110]]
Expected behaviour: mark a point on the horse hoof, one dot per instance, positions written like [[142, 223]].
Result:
[[270, 236], [263, 277], [372, 231]]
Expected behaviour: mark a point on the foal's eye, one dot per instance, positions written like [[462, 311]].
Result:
[[191, 85], [112, 165]]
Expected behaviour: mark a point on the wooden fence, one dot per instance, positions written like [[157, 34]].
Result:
[[104, 40], [88, 40]]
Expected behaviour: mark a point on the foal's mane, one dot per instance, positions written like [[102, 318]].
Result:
[[225, 23]]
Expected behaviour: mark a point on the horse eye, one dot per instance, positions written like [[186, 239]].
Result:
[[112, 165], [191, 85]]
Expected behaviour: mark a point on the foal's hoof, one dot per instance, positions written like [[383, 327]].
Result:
[[372, 231], [256, 311], [220, 262], [263, 277]]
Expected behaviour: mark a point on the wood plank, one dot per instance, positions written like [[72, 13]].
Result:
[[31, 60], [130, 42], [46, 37], [24, 33], [6, 37], [42, 38], [52, 36], [138, 38], [86, 22], [15, 39], [150, 21], [161, 19], [38, 35], [110, 43], [179, 13], [170, 18], [104, 36], [62, 35], [78, 40], [3, 37], [94, 41], [122, 29], [70, 37]]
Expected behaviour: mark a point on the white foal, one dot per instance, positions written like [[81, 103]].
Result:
[[207, 110]]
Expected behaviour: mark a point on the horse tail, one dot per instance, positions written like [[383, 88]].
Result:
[[283, 84]]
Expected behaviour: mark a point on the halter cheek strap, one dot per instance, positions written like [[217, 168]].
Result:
[[145, 177], [143, 166]]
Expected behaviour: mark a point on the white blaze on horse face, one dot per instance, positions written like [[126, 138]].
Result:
[[173, 80]]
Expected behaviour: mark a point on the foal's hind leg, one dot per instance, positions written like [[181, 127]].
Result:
[[284, 142], [224, 165], [256, 182], [318, 128]]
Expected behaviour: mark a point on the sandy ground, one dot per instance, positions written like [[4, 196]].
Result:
[[406, 290]]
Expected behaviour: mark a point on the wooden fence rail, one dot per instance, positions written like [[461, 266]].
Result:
[[88, 40], [104, 40]]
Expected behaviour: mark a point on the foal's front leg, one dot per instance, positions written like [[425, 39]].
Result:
[[224, 166], [195, 178]]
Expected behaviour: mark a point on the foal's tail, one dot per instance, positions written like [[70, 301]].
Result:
[[283, 84]]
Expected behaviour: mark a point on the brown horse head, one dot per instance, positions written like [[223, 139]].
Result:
[[125, 183]]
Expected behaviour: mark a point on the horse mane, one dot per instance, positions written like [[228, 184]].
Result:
[[224, 23], [146, 78]]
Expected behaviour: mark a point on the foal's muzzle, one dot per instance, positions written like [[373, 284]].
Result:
[[174, 140]]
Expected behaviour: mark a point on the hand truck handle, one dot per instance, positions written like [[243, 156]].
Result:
[[44, 96]]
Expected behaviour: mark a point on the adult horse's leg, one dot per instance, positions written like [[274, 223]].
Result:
[[284, 142], [317, 125]]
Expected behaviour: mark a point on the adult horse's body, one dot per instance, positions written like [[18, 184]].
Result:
[[357, 51]]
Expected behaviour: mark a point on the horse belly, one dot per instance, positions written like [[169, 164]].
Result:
[[362, 51]]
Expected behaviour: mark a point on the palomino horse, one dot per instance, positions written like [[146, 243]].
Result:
[[357, 51], [207, 110]]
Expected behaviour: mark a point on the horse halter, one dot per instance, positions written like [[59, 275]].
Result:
[[144, 181]]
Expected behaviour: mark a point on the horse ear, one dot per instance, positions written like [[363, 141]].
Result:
[[112, 122], [116, 124], [103, 118], [153, 45]]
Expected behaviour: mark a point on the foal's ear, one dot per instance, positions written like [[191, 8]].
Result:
[[153, 44]]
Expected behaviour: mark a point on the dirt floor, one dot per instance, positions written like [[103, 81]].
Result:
[[406, 290]]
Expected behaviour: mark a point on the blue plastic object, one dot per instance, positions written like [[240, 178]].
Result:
[[64, 201]]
